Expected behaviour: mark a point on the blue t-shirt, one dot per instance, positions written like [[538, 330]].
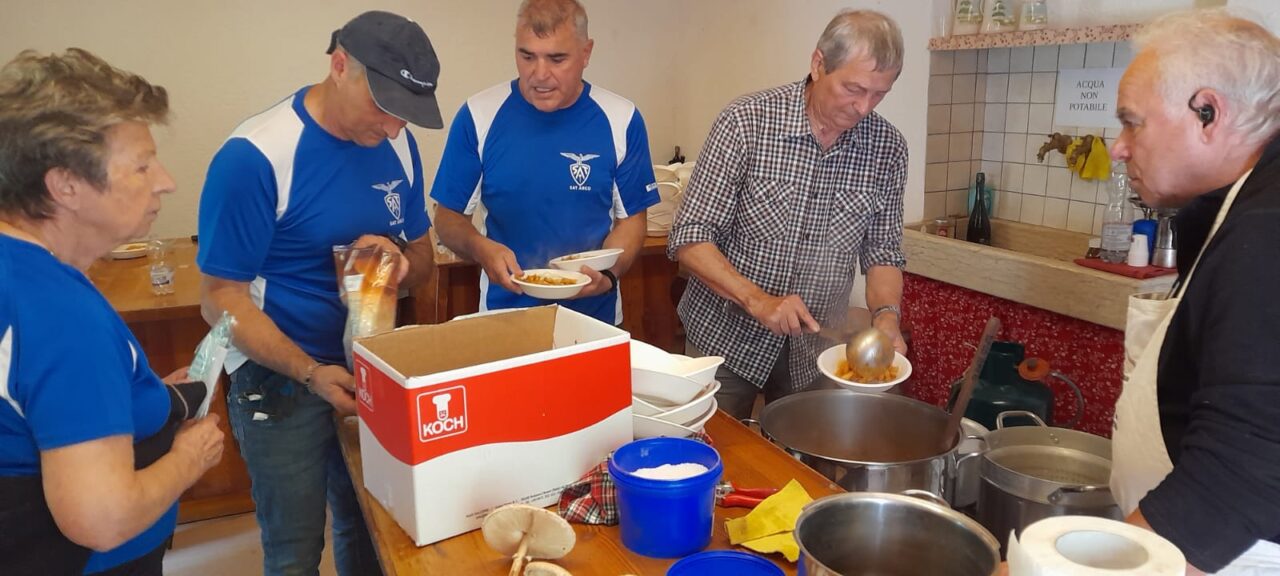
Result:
[[70, 372], [552, 182], [280, 194]]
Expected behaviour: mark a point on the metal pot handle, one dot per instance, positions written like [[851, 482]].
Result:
[[1079, 413], [1031, 415], [749, 421], [1060, 495], [926, 495]]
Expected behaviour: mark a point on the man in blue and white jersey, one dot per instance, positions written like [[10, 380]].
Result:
[[560, 166], [329, 165]]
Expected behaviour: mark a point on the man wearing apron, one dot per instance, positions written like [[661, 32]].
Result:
[[1196, 445]]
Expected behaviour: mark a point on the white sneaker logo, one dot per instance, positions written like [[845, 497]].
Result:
[[409, 76], [391, 199], [579, 170]]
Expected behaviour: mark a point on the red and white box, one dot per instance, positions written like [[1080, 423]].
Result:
[[459, 418]]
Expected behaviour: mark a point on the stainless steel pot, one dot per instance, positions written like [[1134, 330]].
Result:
[[1034, 472], [871, 533], [865, 442]]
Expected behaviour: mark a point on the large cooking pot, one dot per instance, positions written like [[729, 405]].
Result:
[[871, 533], [865, 442], [1034, 472]]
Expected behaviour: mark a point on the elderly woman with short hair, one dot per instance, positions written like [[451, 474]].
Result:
[[92, 460]]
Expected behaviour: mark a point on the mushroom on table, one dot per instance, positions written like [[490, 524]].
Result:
[[527, 532]]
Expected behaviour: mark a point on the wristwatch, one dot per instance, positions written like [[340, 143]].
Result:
[[613, 280], [400, 243], [887, 308]]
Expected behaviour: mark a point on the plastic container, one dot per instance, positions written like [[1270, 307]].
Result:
[[724, 563], [665, 518], [1138, 256], [1117, 220], [1147, 227]]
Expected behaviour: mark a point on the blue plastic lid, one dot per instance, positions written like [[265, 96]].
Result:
[[724, 563]]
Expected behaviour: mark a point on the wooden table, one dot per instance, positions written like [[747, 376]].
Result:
[[648, 307], [169, 328], [749, 461]]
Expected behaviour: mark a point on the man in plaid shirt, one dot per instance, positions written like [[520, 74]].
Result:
[[795, 185]]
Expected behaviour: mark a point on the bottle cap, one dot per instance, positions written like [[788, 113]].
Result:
[[1139, 255]]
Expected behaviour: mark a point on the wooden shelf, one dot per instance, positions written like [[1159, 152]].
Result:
[[1084, 35]]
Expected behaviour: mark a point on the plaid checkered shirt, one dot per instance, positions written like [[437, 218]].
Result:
[[790, 217]]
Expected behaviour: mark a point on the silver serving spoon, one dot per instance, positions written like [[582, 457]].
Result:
[[869, 350]]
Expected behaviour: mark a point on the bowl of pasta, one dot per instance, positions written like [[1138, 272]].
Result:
[[550, 284], [834, 366]]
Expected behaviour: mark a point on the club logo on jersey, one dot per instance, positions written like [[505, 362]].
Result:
[[392, 200], [580, 170]]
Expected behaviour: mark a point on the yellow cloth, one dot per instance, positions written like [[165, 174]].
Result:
[[783, 542], [775, 514], [1098, 165]]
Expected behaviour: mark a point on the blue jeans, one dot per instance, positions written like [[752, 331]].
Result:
[[289, 442]]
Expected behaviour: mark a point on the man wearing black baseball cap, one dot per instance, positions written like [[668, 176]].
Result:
[[330, 165]]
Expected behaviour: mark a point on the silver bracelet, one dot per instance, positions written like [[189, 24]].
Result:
[[887, 308]]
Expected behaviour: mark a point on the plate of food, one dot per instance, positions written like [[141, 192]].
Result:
[[593, 259], [549, 284], [129, 251], [834, 366]]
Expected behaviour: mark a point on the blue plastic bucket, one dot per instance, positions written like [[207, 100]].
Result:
[[724, 563], [665, 518]]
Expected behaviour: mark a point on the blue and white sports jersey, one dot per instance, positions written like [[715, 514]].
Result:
[[280, 194], [70, 372], [552, 183]]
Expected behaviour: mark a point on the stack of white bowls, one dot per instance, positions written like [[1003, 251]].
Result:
[[671, 395]]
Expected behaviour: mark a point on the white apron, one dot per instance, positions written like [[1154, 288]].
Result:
[[1139, 459]]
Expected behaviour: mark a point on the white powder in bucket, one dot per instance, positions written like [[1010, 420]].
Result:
[[671, 471]]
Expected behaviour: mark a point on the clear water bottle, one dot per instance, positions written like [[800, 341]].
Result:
[[1117, 220], [161, 270]]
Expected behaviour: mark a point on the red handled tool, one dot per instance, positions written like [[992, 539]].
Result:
[[730, 496]]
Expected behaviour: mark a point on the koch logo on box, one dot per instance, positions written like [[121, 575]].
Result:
[[362, 387], [442, 413]]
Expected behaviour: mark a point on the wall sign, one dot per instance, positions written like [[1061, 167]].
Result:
[[1087, 97]]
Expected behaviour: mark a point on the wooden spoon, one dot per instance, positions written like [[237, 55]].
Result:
[[966, 385]]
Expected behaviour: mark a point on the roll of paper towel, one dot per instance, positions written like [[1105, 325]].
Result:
[[1089, 546]]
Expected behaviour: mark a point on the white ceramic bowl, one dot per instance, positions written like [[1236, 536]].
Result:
[[828, 360], [662, 389], [693, 410], [650, 357], [701, 370], [650, 427], [594, 259], [129, 251], [645, 408], [546, 292]]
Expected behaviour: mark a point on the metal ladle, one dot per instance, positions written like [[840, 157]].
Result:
[[869, 350]]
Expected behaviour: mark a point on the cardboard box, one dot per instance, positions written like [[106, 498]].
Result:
[[459, 418]]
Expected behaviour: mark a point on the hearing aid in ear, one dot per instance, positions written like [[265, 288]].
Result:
[[1205, 112]]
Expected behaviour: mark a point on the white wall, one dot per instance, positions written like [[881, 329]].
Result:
[[732, 47], [223, 61], [680, 61]]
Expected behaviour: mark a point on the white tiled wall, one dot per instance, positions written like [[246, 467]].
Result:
[[989, 111]]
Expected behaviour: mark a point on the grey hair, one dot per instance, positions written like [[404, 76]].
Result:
[[55, 112], [354, 64], [543, 17], [1199, 49], [862, 32]]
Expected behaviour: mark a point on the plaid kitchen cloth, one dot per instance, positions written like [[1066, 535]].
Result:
[[593, 499]]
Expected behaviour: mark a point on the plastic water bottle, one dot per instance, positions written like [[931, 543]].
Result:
[[161, 271], [1117, 221]]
